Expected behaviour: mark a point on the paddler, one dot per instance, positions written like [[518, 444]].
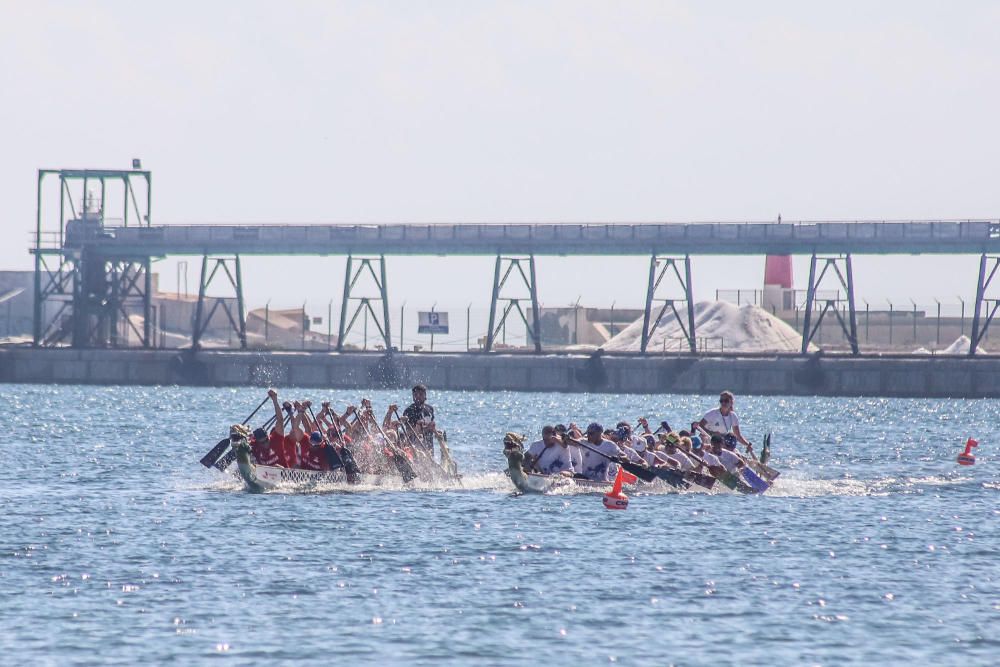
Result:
[[708, 459], [420, 416], [722, 420], [574, 450], [548, 456], [595, 450], [672, 450], [314, 455], [268, 448], [730, 460]]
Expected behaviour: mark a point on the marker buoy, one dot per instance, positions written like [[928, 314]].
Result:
[[966, 458], [616, 500]]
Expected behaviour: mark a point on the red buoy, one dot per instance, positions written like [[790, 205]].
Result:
[[966, 458], [616, 500]]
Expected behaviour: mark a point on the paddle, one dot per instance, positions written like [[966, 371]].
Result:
[[765, 452], [399, 459], [642, 472], [765, 455], [419, 451], [230, 456], [351, 469], [706, 481], [755, 466], [731, 480], [447, 462], [209, 459]]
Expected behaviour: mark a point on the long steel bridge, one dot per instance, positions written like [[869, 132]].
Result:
[[96, 269], [704, 238]]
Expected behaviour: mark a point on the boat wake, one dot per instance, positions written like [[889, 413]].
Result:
[[786, 486], [790, 486]]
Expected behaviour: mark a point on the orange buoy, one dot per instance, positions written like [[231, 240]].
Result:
[[616, 500], [966, 458]]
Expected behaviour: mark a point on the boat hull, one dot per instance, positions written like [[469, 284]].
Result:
[[262, 478]]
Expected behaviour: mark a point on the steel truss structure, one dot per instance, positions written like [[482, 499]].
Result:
[[81, 294], [231, 269], [661, 267], [979, 325], [376, 292], [513, 266], [845, 279]]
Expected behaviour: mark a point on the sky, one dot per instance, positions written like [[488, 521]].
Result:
[[514, 112]]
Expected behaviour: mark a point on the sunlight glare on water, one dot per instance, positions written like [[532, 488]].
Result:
[[116, 547]]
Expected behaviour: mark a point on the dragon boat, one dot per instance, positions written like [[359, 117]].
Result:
[[258, 478], [746, 482], [530, 482]]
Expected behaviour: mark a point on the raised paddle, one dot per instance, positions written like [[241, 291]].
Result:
[[209, 459], [351, 469], [399, 459], [417, 450], [447, 463], [230, 456]]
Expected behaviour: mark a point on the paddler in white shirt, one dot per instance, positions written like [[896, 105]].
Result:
[[595, 450], [730, 460], [574, 450], [723, 419], [674, 453], [547, 456], [708, 459], [631, 447]]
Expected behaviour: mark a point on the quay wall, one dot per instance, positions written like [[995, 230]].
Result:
[[938, 376]]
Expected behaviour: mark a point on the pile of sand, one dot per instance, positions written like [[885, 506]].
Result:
[[741, 329], [961, 346]]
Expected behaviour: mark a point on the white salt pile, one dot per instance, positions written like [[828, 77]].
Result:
[[741, 329], [961, 346]]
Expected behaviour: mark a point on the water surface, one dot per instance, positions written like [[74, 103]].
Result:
[[116, 547]]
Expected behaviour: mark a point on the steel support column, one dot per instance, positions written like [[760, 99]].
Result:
[[658, 269], [532, 328], [235, 277], [979, 325], [376, 284], [845, 279]]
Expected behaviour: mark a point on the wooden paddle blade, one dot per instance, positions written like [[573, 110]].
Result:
[[226, 460], [405, 468], [645, 474], [208, 460], [672, 477], [706, 481]]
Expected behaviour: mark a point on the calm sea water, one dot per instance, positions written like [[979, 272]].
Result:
[[116, 547]]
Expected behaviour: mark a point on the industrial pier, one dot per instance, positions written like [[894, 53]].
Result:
[[94, 322], [840, 375]]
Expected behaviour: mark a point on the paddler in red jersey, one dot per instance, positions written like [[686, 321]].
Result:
[[297, 442], [313, 455], [269, 449]]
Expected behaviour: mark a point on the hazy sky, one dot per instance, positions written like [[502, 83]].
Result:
[[514, 111]]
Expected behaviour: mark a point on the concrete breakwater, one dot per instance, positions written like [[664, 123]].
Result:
[[955, 377]]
